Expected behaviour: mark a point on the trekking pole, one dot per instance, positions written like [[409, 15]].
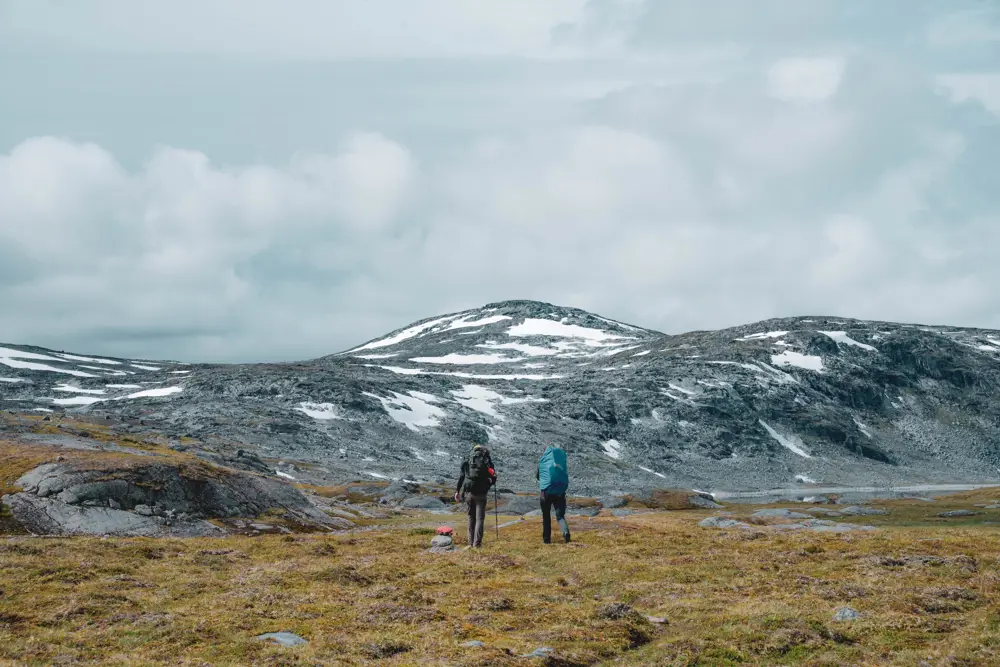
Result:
[[496, 509]]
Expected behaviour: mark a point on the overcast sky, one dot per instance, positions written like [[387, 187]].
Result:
[[237, 180]]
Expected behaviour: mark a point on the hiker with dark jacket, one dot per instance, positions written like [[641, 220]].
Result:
[[553, 482], [474, 482]]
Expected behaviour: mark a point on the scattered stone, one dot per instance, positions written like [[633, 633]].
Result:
[[846, 614], [703, 503], [425, 503], [144, 510], [719, 522], [534, 513], [957, 513], [621, 512], [541, 652], [261, 526], [473, 644], [657, 620], [994, 506], [611, 502], [584, 511], [283, 638], [779, 514], [824, 512], [520, 505], [857, 510], [442, 543]]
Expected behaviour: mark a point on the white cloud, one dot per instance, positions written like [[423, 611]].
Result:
[[703, 164], [805, 79]]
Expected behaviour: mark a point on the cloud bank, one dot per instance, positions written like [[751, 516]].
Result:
[[682, 168]]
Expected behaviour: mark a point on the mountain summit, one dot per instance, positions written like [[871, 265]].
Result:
[[796, 400]]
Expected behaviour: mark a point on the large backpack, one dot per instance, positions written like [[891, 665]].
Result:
[[553, 477], [478, 480]]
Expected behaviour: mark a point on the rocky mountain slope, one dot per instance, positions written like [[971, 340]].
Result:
[[798, 400]]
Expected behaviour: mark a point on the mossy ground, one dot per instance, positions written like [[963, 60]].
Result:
[[927, 593]]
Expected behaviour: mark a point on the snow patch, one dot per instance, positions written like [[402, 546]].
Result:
[[11, 380], [465, 323], [523, 348], [376, 356], [320, 411], [77, 400], [155, 393], [797, 359], [658, 474], [465, 359], [612, 448], [764, 335], [484, 400], [410, 411], [76, 390], [123, 386], [536, 327], [15, 359], [468, 376], [146, 368], [788, 443], [803, 479], [283, 474], [179, 372], [92, 360], [842, 338], [405, 334], [863, 428], [642, 354]]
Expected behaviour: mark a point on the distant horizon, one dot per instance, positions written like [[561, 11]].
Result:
[[112, 355]]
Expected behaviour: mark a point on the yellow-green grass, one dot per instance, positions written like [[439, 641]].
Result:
[[377, 597]]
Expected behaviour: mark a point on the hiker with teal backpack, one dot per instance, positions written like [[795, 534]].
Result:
[[474, 482], [553, 482]]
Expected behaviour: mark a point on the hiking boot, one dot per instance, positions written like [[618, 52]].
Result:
[[566, 538]]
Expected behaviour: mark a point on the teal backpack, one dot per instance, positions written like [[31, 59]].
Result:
[[553, 477]]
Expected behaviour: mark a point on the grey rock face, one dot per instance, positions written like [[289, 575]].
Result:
[[519, 505], [720, 522], [283, 638], [149, 500], [957, 513], [425, 503], [703, 503], [855, 510], [846, 614], [611, 502], [849, 402]]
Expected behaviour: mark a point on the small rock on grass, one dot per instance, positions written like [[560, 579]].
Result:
[[857, 510], [780, 514], [957, 513], [283, 638], [657, 620], [846, 614], [541, 652], [474, 644]]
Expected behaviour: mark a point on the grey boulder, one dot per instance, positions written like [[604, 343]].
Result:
[[425, 503]]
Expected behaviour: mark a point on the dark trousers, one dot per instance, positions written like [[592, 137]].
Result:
[[477, 517], [559, 503]]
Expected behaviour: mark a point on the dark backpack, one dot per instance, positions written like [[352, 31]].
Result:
[[478, 480]]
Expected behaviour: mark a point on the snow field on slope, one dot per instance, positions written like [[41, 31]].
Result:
[[15, 359], [763, 335], [92, 360], [788, 443], [320, 411], [612, 448], [485, 400], [536, 327], [842, 338], [797, 359], [411, 411], [465, 323], [146, 368], [466, 359], [468, 376], [76, 390], [658, 474], [405, 334]]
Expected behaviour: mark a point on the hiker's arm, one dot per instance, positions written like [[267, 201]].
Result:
[[461, 479]]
